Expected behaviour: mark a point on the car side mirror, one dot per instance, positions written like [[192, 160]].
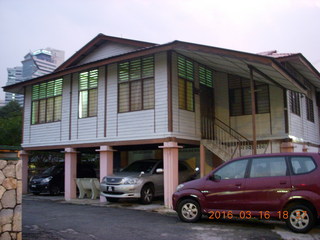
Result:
[[159, 170], [215, 178]]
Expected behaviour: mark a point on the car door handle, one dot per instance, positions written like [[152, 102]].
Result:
[[283, 182], [238, 185]]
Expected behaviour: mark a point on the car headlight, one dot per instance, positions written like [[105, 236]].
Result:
[[46, 180], [180, 186], [131, 181]]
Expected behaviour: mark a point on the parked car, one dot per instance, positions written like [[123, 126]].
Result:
[[284, 186], [52, 179], [141, 180]]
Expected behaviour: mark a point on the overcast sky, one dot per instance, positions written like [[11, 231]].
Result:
[[245, 25]]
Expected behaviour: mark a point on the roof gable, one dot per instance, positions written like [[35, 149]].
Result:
[[101, 47]]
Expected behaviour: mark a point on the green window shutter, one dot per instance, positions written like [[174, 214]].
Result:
[[147, 67], [43, 90], [123, 72], [93, 78], [135, 69], [189, 70], [206, 76], [58, 84], [35, 92], [83, 80], [185, 68], [181, 67], [50, 89]]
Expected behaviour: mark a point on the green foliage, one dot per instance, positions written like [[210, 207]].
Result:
[[11, 124]]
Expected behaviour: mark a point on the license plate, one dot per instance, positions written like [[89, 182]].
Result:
[[110, 189], [33, 186]]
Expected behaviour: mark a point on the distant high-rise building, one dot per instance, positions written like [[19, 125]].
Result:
[[35, 64], [14, 76]]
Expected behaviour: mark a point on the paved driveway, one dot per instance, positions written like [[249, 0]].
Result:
[[52, 218]]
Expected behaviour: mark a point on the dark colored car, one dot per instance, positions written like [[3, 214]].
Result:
[[52, 179], [284, 186]]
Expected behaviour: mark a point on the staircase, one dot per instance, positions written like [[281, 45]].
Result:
[[224, 141]]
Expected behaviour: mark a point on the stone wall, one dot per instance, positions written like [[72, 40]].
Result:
[[10, 199]]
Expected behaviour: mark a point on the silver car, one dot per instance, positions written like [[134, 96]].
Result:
[[141, 180]]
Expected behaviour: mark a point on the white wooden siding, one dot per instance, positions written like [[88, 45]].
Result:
[[161, 93], [300, 127], [107, 50], [47, 132], [185, 123], [27, 116], [112, 101], [101, 108], [65, 117]]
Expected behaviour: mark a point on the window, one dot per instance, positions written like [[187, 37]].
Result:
[[295, 102], [186, 82], [268, 167], [88, 93], [302, 165], [240, 97], [206, 76], [46, 102], [309, 107], [136, 85], [233, 170]]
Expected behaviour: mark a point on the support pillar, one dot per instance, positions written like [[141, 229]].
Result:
[[106, 164], [70, 174], [170, 175], [25, 159], [287, 147], [202, 160]]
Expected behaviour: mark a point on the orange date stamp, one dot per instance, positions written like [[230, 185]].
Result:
[[265, 215]]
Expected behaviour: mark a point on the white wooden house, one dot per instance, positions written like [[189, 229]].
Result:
[[116, 94]]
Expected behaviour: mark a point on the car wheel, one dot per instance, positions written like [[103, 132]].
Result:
[[54, 190], [189, 210], [112, 199], [147, 194], [301, 219]]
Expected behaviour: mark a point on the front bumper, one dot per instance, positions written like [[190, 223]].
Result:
[[120, 191], [39, 188]]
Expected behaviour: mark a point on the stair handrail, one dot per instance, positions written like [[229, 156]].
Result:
[[231, 131]]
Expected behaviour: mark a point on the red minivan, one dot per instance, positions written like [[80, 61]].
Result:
[[284, 186]]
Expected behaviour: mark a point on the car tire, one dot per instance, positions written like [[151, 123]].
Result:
[[189, 210], [113, 200], [147, 194], [55, 190], [301, 219]]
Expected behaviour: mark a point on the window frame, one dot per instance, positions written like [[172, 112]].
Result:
[[88, 90], [186, 75], [295, 107], [46, 92], [309, 109], [245, 109], [136, 74]]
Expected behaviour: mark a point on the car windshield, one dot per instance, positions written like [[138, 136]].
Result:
[[140, 166], [52, 170]]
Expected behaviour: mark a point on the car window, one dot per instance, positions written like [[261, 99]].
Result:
[[140, 166], [301, 165], [182, 167], [268, 167], [233, 170]]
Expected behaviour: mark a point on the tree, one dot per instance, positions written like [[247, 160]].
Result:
[[11, 124]]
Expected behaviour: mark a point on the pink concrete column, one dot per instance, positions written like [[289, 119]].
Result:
[[287, 147], [70, 174], [171, 173], [25, 159], [202, 160], [106, 164]]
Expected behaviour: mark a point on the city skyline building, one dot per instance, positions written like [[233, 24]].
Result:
[[35, 64]]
